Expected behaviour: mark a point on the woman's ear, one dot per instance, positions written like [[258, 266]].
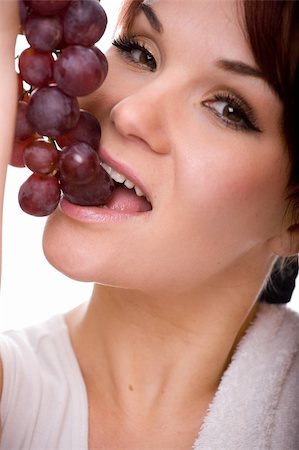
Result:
[[287, 243]]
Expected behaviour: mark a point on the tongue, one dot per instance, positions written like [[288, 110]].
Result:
[[126, 200]]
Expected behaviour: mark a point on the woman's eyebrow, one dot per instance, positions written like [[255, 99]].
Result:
[[239, 68], [151, 17]]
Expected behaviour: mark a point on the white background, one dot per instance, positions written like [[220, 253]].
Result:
[[31, 289]]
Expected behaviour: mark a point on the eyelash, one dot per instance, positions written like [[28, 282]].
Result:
[[239, 106], [125, 45]]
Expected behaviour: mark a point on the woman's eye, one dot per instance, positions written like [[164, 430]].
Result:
[[235, 113], [135, 52], [228, 111], [142, 56]]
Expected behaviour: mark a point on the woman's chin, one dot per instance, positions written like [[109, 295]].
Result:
[[61, 249], [85, 262]]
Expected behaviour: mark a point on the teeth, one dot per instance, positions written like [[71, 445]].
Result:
[[106, 167], [138, 191], [129, 184], [119, 178]]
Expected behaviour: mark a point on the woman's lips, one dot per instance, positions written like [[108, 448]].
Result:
[[125, 170], [95, 214], [123, 205]]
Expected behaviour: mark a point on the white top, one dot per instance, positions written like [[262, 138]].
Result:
[[44, 402], [256, 407]]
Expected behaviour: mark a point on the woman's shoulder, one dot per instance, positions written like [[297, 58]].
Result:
[[40, 372], [275, 327], [258, 396], [282, 355], [15, 343], [22, 351], [271, 344]]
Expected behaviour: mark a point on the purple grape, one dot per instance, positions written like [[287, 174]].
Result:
[[95, 193], [43, 33], [102, 58], [78, 164], [84, 22], [52, 112], [87, 130], [23, 11], [41, 157], [36, 67], [48, 7], [70, 28], [24, 128], [39, 195], [18, 149], [78, 71]]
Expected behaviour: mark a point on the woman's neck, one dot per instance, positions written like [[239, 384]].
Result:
[[149, 354]]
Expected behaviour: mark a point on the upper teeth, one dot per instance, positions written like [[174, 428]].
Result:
[[119, 178]]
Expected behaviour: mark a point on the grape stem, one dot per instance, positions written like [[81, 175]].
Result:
[[53, 142]]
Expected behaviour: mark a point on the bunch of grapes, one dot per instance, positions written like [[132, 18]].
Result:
[[54, 138]]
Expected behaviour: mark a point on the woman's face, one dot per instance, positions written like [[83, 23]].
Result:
[[185, 110]]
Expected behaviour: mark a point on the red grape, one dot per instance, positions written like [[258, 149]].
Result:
[[52, 112], [95, 193], [18, 149], [78, 164], [102, 58], [78, 71], [84, 22], [39, 195], [61, 64], [41, 157], [48, 7], [87, 130], [23, 11], [43, 33], [24, 128], [36, 67]]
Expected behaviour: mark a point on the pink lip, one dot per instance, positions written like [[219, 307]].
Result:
[[123, 169], [93, 214]]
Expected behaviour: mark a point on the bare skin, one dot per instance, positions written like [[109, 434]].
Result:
[[8, 91], [147, 371]]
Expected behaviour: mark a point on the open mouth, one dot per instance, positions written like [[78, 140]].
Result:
[[127, 197]]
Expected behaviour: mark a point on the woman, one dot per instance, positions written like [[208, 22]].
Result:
[[173, 349]]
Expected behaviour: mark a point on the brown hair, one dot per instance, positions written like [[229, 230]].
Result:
[[272, 30]]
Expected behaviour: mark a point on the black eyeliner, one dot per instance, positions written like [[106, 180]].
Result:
[[126, 44], [241, 105]]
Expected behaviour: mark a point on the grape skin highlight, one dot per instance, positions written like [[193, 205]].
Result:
[[41, 157], [43, 33], [95, 193], [78, 71], [52, 112], [36, 67], [84, 22], [79, 164], [39, 195]]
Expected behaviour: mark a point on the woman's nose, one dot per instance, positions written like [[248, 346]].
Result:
[[141, 116]]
